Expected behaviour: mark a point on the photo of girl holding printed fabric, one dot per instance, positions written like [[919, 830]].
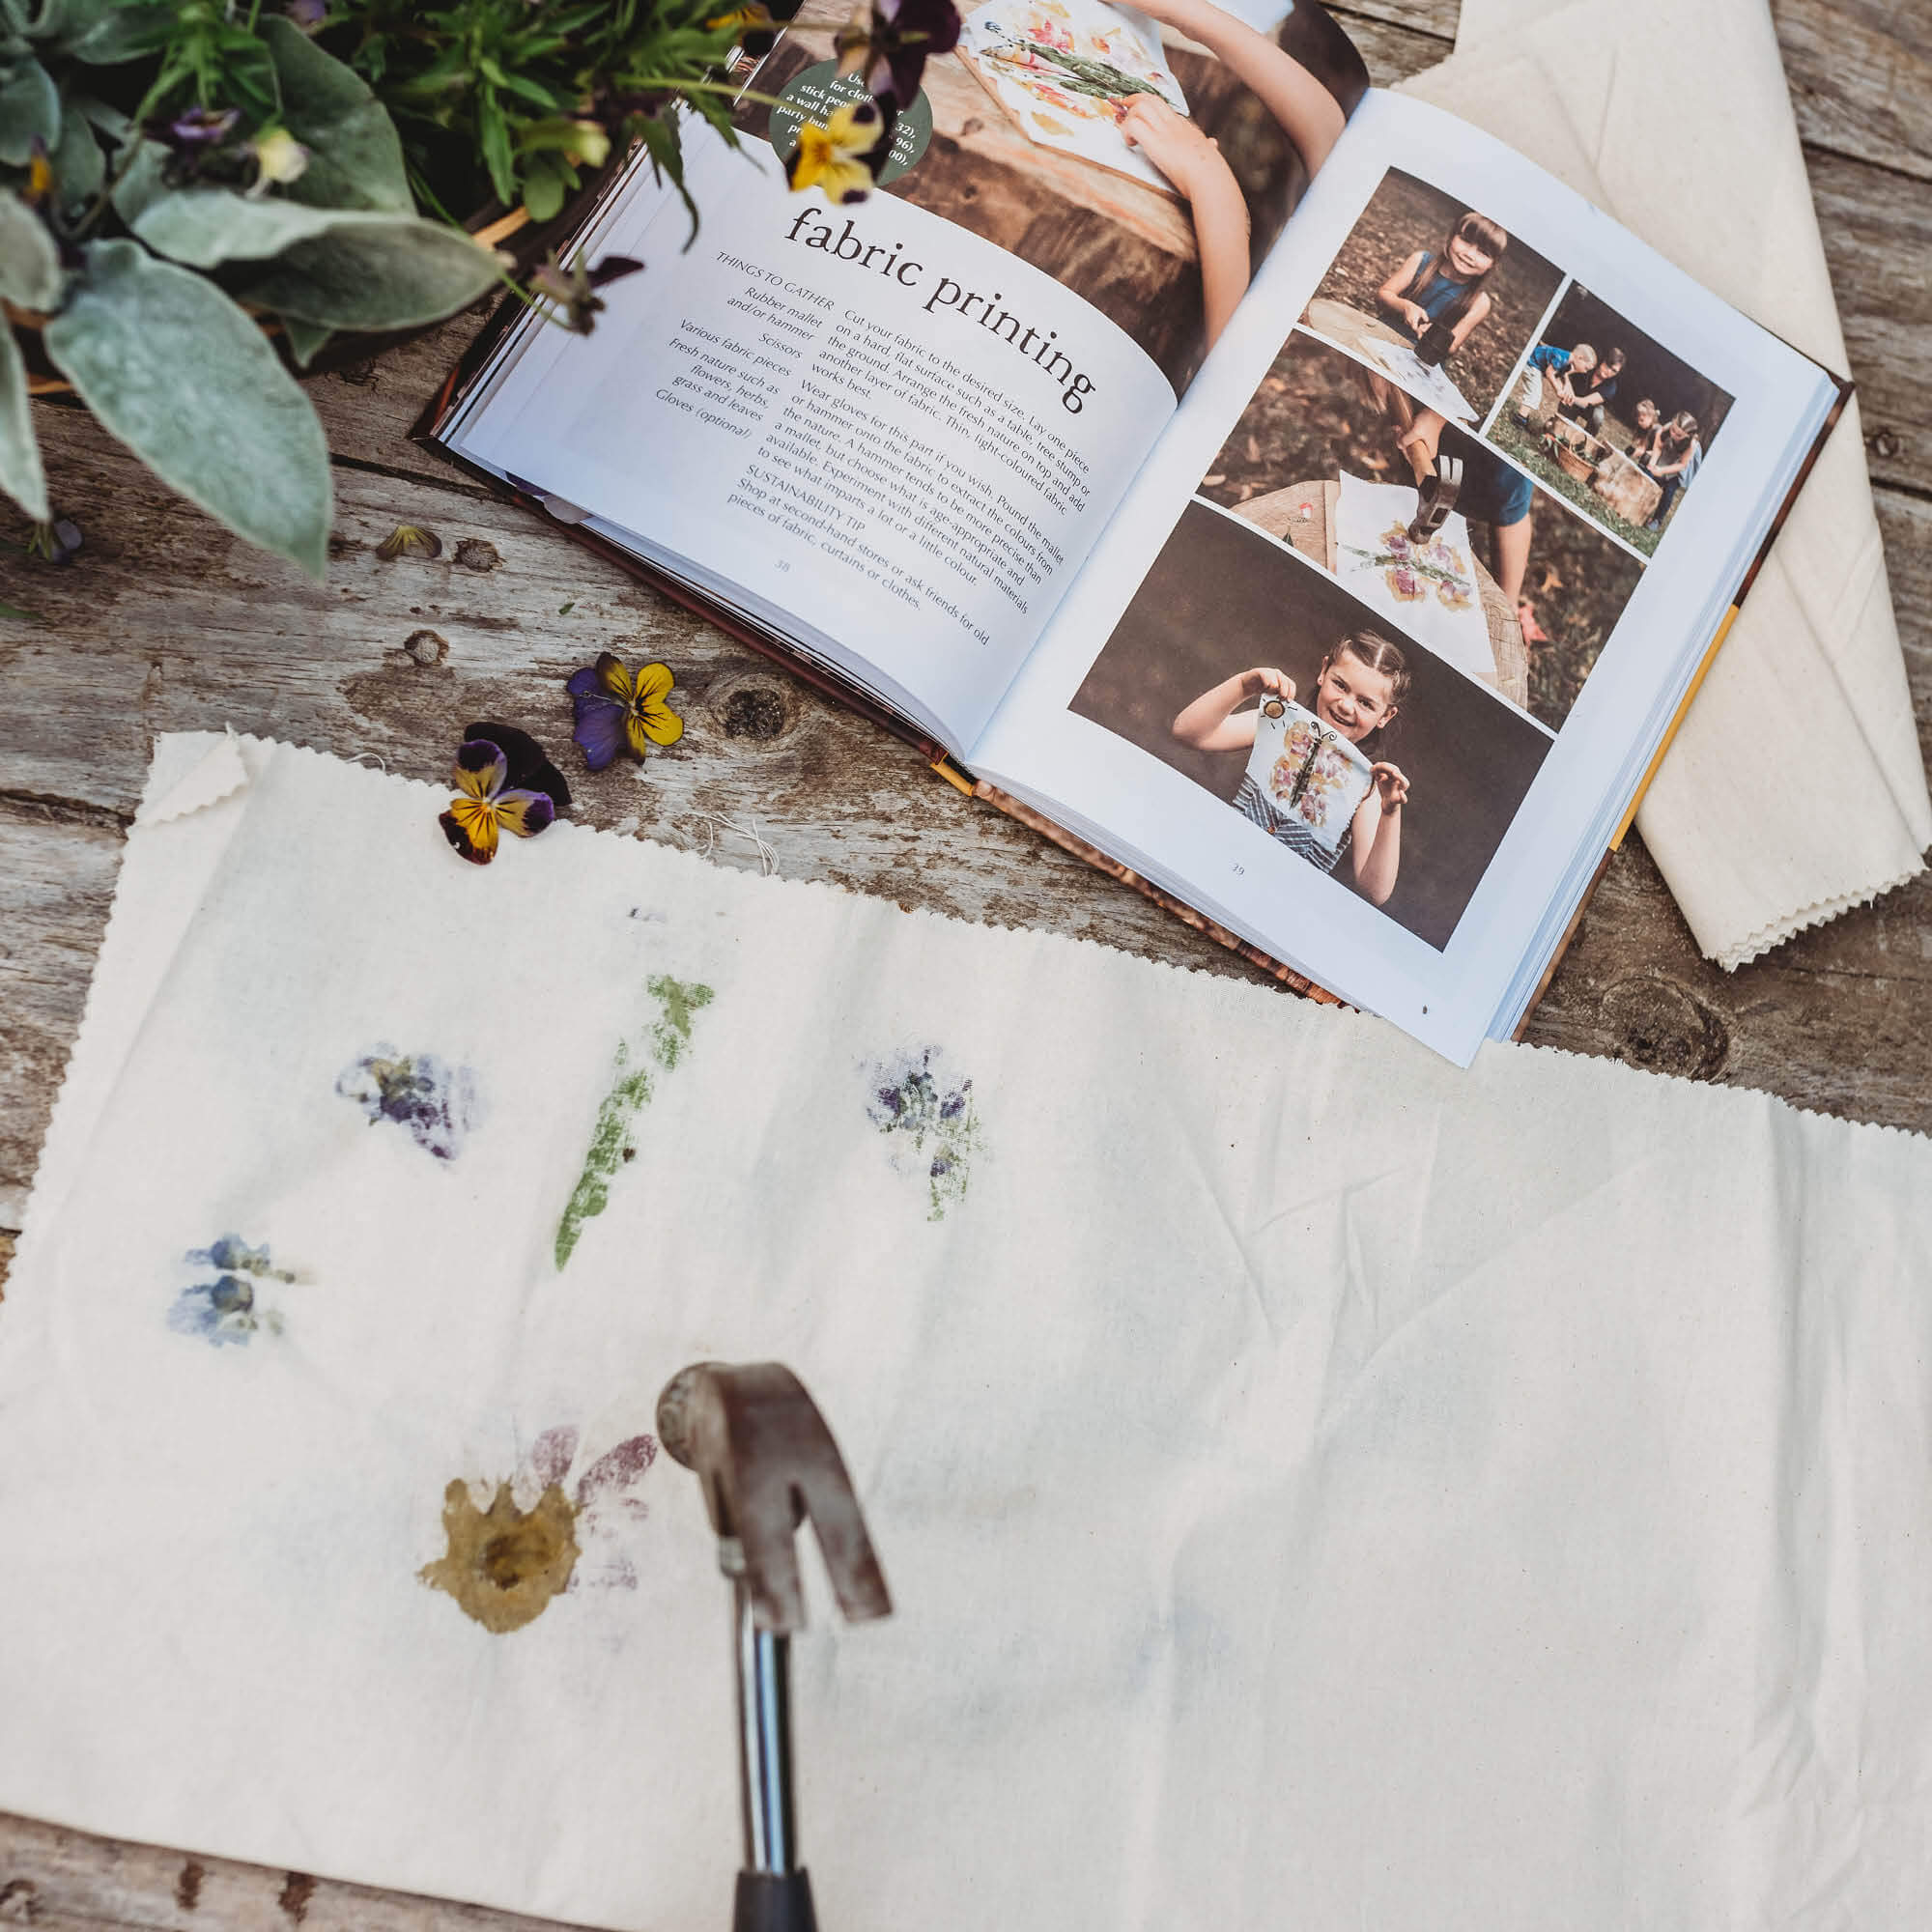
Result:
[[1358, 692], [1145, 158], [1254, 673]]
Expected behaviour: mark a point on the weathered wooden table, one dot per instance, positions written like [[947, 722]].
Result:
[[167, 623]]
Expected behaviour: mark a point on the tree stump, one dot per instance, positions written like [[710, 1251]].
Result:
[[1625, 487]]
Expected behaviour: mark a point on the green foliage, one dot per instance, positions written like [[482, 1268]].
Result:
[[356, 158], [142, 140], [30, 269], [30, 111], [527, 93], [20, 473], [173, 369], [180, 180]]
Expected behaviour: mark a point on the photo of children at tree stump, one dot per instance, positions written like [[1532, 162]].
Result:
[[1156, 216], [1255, 675], [1426, 283], [1552, 586], [1609, 420]]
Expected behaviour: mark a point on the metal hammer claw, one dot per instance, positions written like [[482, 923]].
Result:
[[766, 1461], [1436, 497]]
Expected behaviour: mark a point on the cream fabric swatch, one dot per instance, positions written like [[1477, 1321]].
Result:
[[1319, 1487], [1676, 121]]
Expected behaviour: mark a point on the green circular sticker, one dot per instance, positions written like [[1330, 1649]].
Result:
[[818, 93]]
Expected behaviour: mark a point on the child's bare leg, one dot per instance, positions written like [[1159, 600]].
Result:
[[1512, 541]]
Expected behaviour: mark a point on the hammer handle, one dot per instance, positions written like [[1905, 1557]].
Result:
[[773, 1902]]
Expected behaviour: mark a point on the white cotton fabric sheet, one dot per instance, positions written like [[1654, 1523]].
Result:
[[1619, 101], [1319, 1487]]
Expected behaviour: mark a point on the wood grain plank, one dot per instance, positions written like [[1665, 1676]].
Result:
[[53, 1877], [1392, 52], [1878, 239], [1860, 73], [57, 872], [1431, 19]]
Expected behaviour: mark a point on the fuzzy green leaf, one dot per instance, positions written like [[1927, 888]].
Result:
[[141, 184], [355, 156], [173, 369], [343, 268], [383, 272], [20, 473], [80, 167], [30, 271], [207, 226], [305, 338], [103, 33], [29, 111]]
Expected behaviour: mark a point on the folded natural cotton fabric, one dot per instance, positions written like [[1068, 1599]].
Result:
[[1319, 1487], [1625, 103]]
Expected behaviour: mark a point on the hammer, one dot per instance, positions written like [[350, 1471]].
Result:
[[1435, 494], [766, 1461]]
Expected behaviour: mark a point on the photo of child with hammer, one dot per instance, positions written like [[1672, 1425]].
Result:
[[1433, 293], [1357, 692], [1436, 297]]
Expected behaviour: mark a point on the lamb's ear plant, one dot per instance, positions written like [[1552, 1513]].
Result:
[[178, 179]]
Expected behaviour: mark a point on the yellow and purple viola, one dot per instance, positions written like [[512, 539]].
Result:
[[887, 44], [504, 784], [619, 711], [844, 156]]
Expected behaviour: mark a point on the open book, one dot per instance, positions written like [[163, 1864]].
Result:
[[1109, 446]]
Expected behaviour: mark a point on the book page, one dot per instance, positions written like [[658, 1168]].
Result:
[[1472, 477], [890, 431]]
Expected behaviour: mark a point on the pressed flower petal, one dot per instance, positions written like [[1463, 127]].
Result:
[[481, 768], [653, 684], [658, 723], [530, 769], [839, 156], [524, 813], [470, 827], [600, 730], [613, 677]]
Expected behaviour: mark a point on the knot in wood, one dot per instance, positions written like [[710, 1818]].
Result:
[[1886, 443], [755, 712], [1659, 1026], [756, 707], [475, 554], [426, 647]]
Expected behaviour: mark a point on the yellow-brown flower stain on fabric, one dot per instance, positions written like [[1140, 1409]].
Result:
[[503, 1564]]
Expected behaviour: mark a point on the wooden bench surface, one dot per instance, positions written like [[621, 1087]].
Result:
[[166, 623]]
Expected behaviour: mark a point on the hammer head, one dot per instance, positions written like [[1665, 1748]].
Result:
[[767, 1461]]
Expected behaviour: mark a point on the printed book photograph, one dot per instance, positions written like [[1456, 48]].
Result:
[[1302, 388]]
